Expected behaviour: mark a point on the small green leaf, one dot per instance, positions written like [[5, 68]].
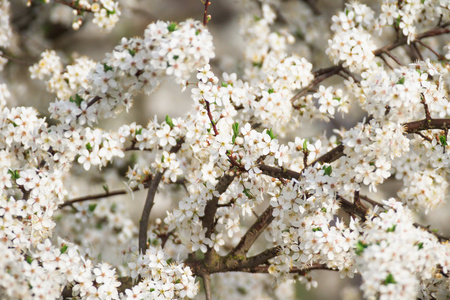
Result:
[[224, 84], [257, 64], [235, 127], [107, 68], [113, 208], [391, 229], [324, 209], [401, 80], [317, 229], [248, 194], [88, 146], [14, 174], [138, 131], [305, 145], [169, 261], [360, 246], [162, 158], [271, 134], [169, 121], [443, 140], [63, 248], [92, 207], [389, 279], [270, 91], [29, 259], [327, 170], [106, 188], [172, 27], [132, 52], [420, 245]]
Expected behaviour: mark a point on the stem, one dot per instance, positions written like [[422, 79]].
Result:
[[143, 223]]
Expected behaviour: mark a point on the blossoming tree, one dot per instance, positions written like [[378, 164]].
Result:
[[254, 194]]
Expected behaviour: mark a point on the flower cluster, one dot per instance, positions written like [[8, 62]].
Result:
[[161, 277], [240, 164], [393, 256]]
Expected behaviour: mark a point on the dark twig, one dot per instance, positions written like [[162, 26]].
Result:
[[143, 222], [254, 232]]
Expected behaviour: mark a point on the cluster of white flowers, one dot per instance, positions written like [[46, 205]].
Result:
[[227, 155], [136, 65], [352, 42], [63, 83], [393, 256], [161, 277]]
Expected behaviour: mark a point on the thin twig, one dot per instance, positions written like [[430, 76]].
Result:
[[149, 201]]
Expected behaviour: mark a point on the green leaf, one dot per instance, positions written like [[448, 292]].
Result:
[[271, 134], [14, 174], [88, 146], [420, 245], [138, 131], [360, 246], [113, 208], [132, 52], [169, 121], [106, 188], [317, 229], [29, 259], [389, 279], [169, 261], [107, 68], [224, 84], [443, 140], [305, 145], [248, 194], [270, 91], [162, 158], [401, 80], [392, 229], [327, 170], [172, 27], [235, 127], [63, 248], [92, 207], [257, 64]]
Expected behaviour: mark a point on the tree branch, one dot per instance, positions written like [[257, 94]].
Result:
[[254, 232], [143, 222]]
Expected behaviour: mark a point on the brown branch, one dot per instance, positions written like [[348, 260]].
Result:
[[320, 75], [96, 196], [143, 222], [212, 205], [280, 173], [236, 263], [404, 40], [439, 56], [294, 270], [149, 201], [352, 208], [253, 232], [205, 14], [207, 285]]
